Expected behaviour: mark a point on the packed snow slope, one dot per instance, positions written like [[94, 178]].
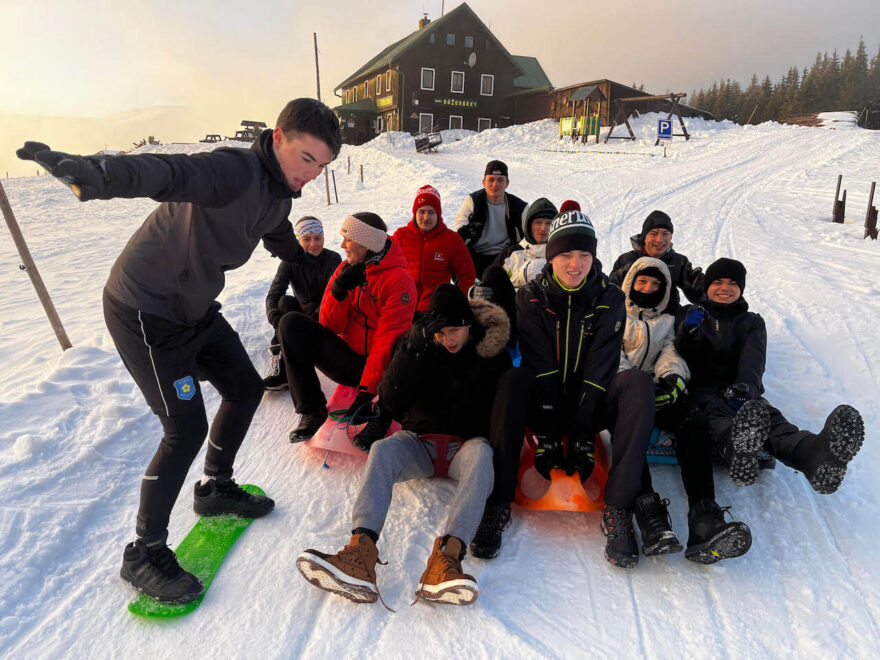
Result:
[[76, 435]]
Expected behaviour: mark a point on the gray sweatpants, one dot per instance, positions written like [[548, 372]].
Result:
[[402, 457]]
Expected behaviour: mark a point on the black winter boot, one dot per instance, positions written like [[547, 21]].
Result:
[[487, 540], [152, 568], [621, 548], [843, 435], [655, 526], [276, 375], [710, 538], [751, 428], [309, 423], [222, 495]]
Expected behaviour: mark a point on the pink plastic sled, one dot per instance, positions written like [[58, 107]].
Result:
[[337, 432]]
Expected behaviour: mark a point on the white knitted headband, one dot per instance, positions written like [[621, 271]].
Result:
[[360, 232], [308, 225]]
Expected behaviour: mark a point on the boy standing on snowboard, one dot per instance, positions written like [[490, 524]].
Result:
[[160, 308]]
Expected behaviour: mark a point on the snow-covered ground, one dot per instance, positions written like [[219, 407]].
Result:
[[845, 120], [76, 435]]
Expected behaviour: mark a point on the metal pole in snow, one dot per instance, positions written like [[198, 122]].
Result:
[[31, 268]]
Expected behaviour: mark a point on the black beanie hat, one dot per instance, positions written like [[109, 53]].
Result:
[[656, 219], [452, 304], [725, 268], [496, 167], [648, 300], [571, 230]]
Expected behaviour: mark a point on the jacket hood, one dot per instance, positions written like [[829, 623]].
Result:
[[540, 208], [390, 257], [277, 182], [638, 266], [495, 325]]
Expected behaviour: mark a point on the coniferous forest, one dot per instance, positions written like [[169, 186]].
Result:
[[830, 84]]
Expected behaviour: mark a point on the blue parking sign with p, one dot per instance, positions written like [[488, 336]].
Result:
[[664, 129]]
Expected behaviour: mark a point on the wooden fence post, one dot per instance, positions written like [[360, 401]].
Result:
[[362, 173], [871, 216], [839, 209], [31, 268], [327, 185], [335, 192]]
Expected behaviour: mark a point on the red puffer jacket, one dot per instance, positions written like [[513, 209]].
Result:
[[433, 258], [375, 314]]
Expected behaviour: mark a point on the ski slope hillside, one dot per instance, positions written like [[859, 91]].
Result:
[[76, 435]]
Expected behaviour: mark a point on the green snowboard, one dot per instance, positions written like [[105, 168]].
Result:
[[200, 553]]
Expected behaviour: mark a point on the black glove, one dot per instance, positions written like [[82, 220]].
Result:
[[580, 455], [549, 454], [349, 278], [86, 176], [274, 318], [422, 332], [361, 407], [736, 395], [667, 390], [469, 232], [373, 431]]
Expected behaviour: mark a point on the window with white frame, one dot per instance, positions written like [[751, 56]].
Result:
[[483, 124], [487, 84], [455, 121], [380, 124], [426, 122], [387, 81], [468, 42], [366, 89], [456, 85], [450, 39], [428, 79], [378, 84]]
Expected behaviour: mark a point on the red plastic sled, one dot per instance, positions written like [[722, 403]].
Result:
[[337, 433], [563, 492]]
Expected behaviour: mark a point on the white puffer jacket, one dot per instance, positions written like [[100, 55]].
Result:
[[650, 334], [526, 264]]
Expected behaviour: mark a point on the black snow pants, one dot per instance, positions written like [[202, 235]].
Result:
[[306, 345], [167, 360], [628, 413], [795, 448]]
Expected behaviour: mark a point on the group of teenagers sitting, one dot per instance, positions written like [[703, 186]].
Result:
[[543, 342]]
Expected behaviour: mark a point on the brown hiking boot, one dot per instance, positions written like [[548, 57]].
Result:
[[443, 581], [350, 573]]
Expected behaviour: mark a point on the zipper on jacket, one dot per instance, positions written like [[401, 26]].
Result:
[[567, 326], [647, 344], [577, 359]]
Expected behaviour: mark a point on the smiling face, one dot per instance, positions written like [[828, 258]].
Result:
[[426, 218], [354, 252], [723, 291], [541, 229], [301, 156], [312, 243], [657, 242], [571, 268], [495, 185], [453, 337]]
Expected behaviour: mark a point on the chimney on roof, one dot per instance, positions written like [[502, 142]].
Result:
[[424, 21]]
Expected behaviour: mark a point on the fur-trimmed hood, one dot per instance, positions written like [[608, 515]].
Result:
[[494, 325]]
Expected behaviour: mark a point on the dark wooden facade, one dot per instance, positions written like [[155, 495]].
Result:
[[600, 95], [451, 73]]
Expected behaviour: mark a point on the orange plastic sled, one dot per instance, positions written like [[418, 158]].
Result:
[[563, 492], [337, 432]]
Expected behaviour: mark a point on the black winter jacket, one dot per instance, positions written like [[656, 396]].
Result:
[[730, 346], [308, 279], [216, 207], [680, 269], [437, 392], [571, 340]]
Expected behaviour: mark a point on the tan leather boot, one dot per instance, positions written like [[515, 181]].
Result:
[[350, 573], [443, 581]]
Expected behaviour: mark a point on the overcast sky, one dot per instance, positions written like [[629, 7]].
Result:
[[225, 61]]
